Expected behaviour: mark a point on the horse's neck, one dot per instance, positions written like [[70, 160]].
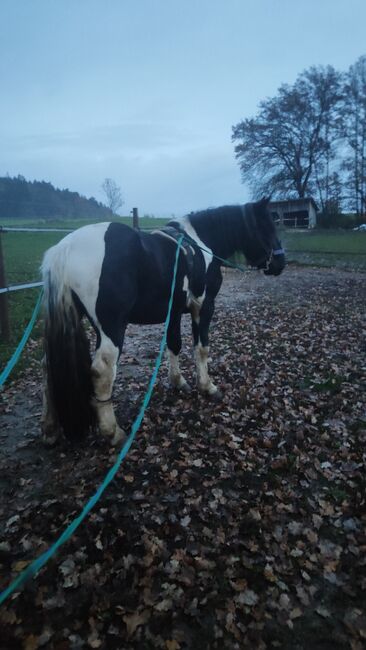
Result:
[[221, 234]]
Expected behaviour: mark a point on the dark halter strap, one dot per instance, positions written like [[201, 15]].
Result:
[[248, 215]]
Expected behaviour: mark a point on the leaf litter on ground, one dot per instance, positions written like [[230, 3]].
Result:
[[232, 524]]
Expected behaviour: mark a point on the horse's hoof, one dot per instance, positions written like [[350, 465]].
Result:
[[50, 439], [118, 437], [181, 386], [217, 396], [184, 388], [211, 392]]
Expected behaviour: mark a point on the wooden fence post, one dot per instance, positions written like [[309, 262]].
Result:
[[135, 218], [4, 307]]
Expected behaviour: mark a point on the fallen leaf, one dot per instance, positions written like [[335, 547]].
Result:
[[134, 620]]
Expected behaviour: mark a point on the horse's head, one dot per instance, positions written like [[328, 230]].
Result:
[[266, 251]]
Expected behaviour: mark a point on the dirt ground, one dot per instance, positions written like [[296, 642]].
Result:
[[232, 524]]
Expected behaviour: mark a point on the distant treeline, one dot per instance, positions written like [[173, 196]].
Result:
[[40, 200]]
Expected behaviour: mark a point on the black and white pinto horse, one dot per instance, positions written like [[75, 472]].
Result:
[[115, 275]]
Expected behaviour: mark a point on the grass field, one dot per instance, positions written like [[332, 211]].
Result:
[[23, 254], [344, 249]]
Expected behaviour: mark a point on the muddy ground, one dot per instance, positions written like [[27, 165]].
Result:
[[232, 524]]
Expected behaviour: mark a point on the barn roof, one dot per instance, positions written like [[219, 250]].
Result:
[[295, 202]]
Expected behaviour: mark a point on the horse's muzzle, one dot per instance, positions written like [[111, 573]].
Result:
[[277, 263]]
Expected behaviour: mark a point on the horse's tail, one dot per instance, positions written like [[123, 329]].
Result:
[[67, 353]]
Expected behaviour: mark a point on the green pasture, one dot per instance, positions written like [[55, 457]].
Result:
[[339, 248], [23, 254]]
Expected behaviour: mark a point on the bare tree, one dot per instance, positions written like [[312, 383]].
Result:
[[354, 132], [113, 193], [290, 139]]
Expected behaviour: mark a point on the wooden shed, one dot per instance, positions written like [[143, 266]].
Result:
[[295, 213]]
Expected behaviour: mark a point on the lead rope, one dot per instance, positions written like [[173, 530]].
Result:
[[37, 564]]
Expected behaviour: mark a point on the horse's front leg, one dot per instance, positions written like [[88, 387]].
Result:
[[174, 344], [201, 319], [104, 368]]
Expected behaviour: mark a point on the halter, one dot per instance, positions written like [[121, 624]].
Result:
[[248, 215], [267, 260], [273, 253]]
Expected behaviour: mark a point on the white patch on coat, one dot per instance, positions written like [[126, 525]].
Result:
[[185, 288], [175, 375], [195, 304], [103, 370], [186, 224], [75, 263], [204, 382]]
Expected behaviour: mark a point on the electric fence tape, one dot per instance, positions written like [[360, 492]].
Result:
[[18, 287]]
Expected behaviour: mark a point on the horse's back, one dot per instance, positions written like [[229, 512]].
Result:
[[117, 273], [81, 259], [82, 252]]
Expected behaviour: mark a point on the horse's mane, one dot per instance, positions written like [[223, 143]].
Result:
[[231, 228]]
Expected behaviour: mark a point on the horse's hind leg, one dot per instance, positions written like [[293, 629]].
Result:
[[103, 369]]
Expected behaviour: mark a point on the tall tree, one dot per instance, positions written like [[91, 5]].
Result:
[[354, 132], [113, 194], [291, 137]]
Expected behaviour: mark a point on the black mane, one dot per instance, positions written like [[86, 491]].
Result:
[[235, 228], [222, 229]]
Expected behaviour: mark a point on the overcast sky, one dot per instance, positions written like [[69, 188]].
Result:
[[146, 91]]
